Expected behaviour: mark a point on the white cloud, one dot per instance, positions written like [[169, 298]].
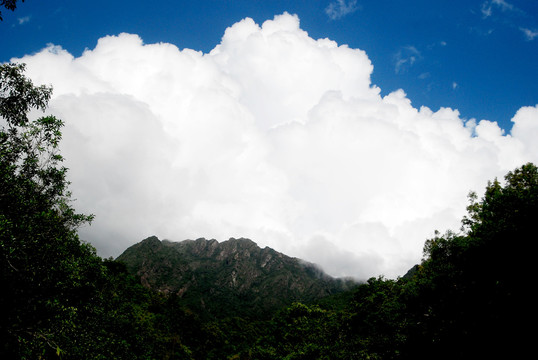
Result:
[[23, 20], [273, 136], [405, 58], [526, 128], [487, 7], [424, 75], [503, 5], [339, 8], [529, 34], [512, 17]]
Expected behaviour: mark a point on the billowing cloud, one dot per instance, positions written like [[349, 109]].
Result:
[[273, 136]]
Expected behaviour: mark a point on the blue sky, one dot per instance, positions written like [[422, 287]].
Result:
[[282, 121], [475, 56]]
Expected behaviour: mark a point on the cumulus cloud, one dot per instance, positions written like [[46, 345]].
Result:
[[273, 136]]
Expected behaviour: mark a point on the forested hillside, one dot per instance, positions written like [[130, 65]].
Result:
[[230, 278], [469, 298]]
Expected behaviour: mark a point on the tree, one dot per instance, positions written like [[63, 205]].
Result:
[[378, 319], [44, 266], [8, 4], [474, 289], [59, 299], [505, 209], [302, 332]]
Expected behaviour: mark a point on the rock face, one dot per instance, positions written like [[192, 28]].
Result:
[[230, 278]]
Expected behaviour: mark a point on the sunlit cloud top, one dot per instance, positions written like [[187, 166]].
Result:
[[272, 135]]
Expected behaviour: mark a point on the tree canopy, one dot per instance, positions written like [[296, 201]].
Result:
[[59, 299], [8, 4], [43, 261]]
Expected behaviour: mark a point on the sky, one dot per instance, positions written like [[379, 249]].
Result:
[[341, 132]]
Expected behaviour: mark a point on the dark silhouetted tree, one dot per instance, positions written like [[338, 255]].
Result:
[[8, 4]]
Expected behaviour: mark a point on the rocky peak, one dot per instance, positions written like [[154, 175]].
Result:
[[230, 276]]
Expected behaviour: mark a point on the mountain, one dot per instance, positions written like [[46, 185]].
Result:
[[229, 278]]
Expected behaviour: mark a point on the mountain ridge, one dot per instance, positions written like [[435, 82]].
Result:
[[228, 278]]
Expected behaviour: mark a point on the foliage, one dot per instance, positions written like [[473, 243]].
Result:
[[474, 286], [469, 298], [252, 282], [300, 332], [44, 265], [59, 299], [8, 4]]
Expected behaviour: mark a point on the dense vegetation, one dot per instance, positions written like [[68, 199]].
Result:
[[469, 297], [233, 278]]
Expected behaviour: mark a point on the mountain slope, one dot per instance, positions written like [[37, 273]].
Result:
[[230, 278]]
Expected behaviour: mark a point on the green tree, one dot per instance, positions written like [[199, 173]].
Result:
[[43, 263], [59, 298], [472, 295], [302, 332], [377, 322]]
